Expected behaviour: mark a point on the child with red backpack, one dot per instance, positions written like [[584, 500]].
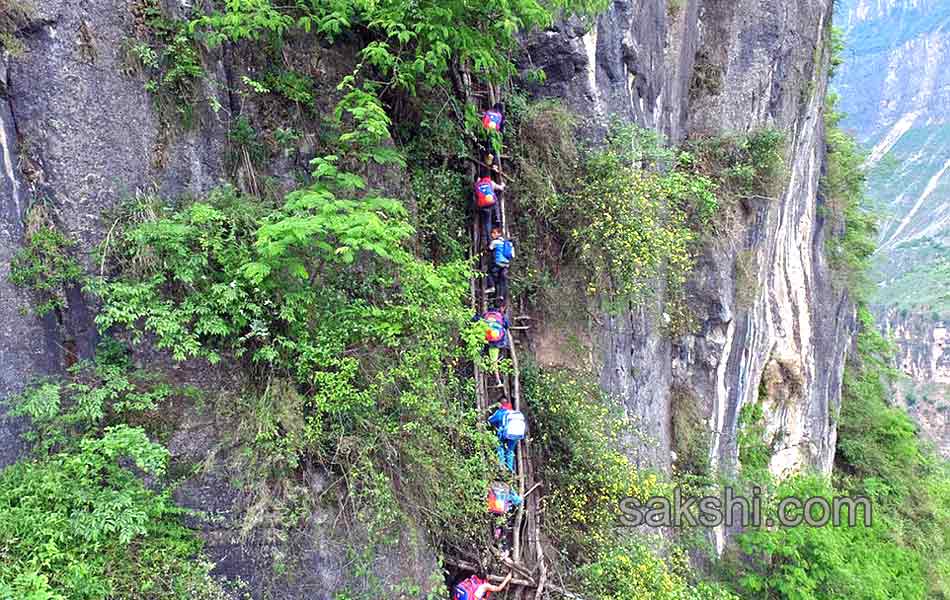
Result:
[[501, 500], [496, 334], [477, 588], [485, 191], [493, 122], [511, 428]]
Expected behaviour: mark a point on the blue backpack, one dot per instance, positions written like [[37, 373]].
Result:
[[504, 252]]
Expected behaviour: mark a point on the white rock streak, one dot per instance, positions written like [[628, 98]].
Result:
[[896, 132], [931, 186], [8, 166]]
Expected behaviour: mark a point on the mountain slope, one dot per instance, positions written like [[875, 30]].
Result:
[[895, 87]]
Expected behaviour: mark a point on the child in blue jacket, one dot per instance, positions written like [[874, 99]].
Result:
[[506, 444], [502, 252]]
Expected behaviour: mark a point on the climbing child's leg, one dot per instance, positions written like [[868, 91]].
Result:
[[510, 446], [502, 452], [493, 354], [501, 281]]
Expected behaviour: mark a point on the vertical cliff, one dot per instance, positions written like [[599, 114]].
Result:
[[79, 133], [923, 358], [763, 295]]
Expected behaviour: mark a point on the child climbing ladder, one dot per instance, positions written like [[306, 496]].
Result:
[[508, 420]]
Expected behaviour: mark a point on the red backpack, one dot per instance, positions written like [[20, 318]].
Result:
[[495, 332], [465, 590], [498, 499], [484, 192]]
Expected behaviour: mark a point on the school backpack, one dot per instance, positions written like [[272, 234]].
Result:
[[495, 332], [514, 425], [492, 120], [498, 502], [484, 192], [465, 589], [508, 250]]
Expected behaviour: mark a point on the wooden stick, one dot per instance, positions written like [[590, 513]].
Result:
[[487, 166], [533, 487], [516, 396]]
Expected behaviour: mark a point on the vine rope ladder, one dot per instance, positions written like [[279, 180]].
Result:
[[526, 517]]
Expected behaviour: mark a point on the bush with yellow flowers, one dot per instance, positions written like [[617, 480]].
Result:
[[584, 471], [634, 572]]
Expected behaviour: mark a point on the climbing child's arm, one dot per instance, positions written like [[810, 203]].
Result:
[[501, 586]]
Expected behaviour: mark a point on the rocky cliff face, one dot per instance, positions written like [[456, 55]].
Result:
[[79, 131], [79, 134], [715, 68], [923, 357]]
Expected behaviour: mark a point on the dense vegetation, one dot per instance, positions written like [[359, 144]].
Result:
[[879, 456], [342, 308], [77, 519]]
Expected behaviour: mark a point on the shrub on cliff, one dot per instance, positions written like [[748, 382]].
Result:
[[356, 346], [81, 524]]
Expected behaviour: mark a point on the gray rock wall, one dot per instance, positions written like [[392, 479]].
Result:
[[709, 68], [922, 341], [80, 133]]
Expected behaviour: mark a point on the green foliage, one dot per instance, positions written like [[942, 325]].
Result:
[[633, 572], [577, 428], [80, 525], [629, 227], [745, 166], [441, 214], [46, 267], [632, 210], [879, 456], [246, 149], [293, 86], [824, 562], [578, 437], [876, 440], [14, 15], [754, 451], [106, 391], [632, 227], [546, 155], [837, 49], [690, 436], [854, 228], [169, 55], [244, 19], [357, 341], [411, 46]]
